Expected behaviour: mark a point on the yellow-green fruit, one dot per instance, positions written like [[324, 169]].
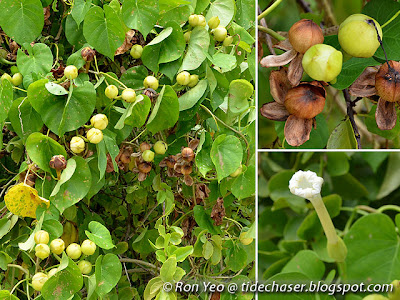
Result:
[[244, 239], [214, 22], [148, 155], [193, 80], [160, 147], [237, 172], [111, 92], [77, 145], [322, 62], [183, 78], [129, 95], [88, 247], [6, 76], [375, 297], [220, 33], [42, 251], [38, 280], [74, 251], [16, 79], [42, 237], [94, 135], [136, 51], [395, 294], [57, 246], [357, 35], [99, 121], [187, 36], [202, 21], [71, 72], [228, 41], [150, 82], [194, 20], [85, 267]]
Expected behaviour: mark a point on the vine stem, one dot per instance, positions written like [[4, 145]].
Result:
[[271, 33], [105, 74], [269, 9], [391, 19], [233, 129], [388, 207], [138, 262]]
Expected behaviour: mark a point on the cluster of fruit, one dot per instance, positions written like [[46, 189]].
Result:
[[219, 32], [16, 79], [57, 247]]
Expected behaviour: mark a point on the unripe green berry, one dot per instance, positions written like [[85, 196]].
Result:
[[6, 76], [16, 79], [71, 72], [395, 293], [99, 121], [74, 251], [111, 92], [42, 251], [375, 297], [150, 82], [228, 41], [148, 156], [57, 246], [88, 247], [244, 239], [357, 35], [214, 22], [129, 95], [194, 20], [160, 147], [322, 62], [187, 36], [183, 78], [85, 267], [202, 21], [136, 51], [193, 81], [42, 237], [77, 145], [38, 280], [220, 33], [94, 135], [237, 172]]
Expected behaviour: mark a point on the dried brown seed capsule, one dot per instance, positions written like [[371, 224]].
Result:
[[171, 161], [88, 54], [387, 81], [186, 170], [144, 146], [305, 34], [187, 154], [144, 167], [306, 100], [58, 162]]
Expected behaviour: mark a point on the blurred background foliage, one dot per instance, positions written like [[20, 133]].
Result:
[[330, 13], [356, 185]]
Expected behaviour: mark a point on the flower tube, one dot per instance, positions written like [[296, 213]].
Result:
[[307, 184]]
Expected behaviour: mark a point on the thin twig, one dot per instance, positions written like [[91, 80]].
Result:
[[350, 112], [271, 33]]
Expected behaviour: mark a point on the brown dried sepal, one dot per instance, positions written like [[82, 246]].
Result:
[[387, 81], [364, 86], [218, 212], [128, 42], [297, 131], [88, 54], [385, 115], [305, 34], [58, 162]]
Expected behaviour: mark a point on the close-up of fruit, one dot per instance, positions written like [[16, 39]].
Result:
[[57, 246], [214, 22], [220, 33], [16, 79], [74, 251], [41, 237], [88, 247], [358, 35], [160, 147], [148, 155], [71, 72], [77, 145], [136, 51], [111, 92], [85, 267], [129, 95], [99, 121], [151, 82], [38, 280], [42, 251], [183, 78], [193, 81], [304, 34], [94, 135]]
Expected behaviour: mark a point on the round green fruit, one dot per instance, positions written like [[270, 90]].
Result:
[[6, 76], [57, 246], [202, 21], [85, 267], [38, 280], [228, 41], [187, 36], [42, 237], [129, 95], [88, 247], [99, 121], [214, 22], [94, 135], [111, 92], [71, 72], [77, 145], [183, 78], [193, 81], [160, 147], [220, 33], [74, 251], [16, 80], [194, 20], [148, 156], [357, 35], [150, 82], [322, 62], [42, 251], [136, 51], [237, 172]]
